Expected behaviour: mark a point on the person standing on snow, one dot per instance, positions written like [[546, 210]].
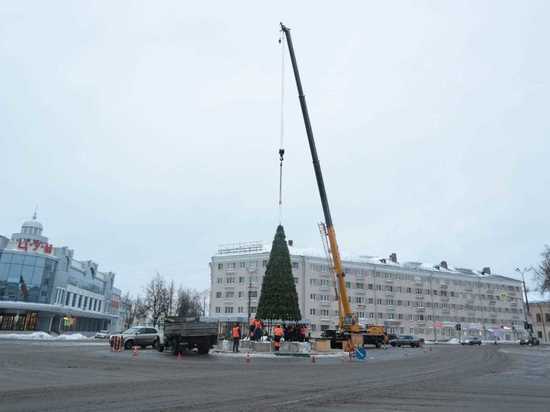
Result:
[[236, 334]]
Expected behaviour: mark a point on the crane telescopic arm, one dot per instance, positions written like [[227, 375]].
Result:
[[340, 275]]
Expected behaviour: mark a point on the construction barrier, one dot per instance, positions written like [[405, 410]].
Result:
[[117, 344]]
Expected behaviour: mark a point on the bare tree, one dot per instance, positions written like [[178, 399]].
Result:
[[129, 306], [543, 271], [141, 309], [171, 291], [156, 298], [189, 303]]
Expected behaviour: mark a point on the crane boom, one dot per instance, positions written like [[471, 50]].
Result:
[[349, 322]]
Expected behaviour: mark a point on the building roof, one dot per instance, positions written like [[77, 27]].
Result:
[[253, 248]]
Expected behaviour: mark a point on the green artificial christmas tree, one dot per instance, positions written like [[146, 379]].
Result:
[[279, 300]]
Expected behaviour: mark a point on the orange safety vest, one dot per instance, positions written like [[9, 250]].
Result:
[[278, 331], [236, 332]]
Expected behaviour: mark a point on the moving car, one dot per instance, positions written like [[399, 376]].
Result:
[[406, 340], [472, 340], [142, 336], [533, 341]]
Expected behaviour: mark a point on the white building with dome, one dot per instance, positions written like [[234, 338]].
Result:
[[43, 287]]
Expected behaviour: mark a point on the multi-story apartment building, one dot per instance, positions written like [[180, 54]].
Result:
[[408, 298], [540, 319]]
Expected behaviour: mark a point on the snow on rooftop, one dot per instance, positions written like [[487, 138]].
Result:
[[260, 247]]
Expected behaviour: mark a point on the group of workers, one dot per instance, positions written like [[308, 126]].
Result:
[[296, 333]]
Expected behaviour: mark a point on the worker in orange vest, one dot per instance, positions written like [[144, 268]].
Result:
[[236, 335], [278, 332]]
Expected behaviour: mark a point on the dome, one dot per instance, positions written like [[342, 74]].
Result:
[[32, 227], [34, 224]]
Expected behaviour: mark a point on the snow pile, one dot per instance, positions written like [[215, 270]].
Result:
[[42, 336]]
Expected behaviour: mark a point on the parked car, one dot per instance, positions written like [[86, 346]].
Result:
[[142, 336], [472, 340], [530, 341], [102, 334], [406, 340]]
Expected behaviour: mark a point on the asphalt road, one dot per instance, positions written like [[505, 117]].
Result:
[[82, 377]]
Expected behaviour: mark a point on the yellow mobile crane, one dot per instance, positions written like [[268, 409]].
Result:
[[348, 325]]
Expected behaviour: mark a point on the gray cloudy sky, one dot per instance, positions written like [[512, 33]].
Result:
[[147, 132]]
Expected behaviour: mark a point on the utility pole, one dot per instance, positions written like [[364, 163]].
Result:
[[249, 296]]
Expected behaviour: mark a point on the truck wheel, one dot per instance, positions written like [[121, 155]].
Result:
[[203, 348]]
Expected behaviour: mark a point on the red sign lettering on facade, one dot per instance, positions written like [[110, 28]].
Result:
[[34, 245], [22, 244], [48, 248]]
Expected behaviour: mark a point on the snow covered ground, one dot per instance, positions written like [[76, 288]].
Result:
[[43, 336]]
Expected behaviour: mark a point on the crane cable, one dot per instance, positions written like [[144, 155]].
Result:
[[282, 129]]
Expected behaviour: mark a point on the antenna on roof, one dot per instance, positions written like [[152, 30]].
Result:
[[35, 212]]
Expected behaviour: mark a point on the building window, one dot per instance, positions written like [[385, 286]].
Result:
[[99, 306], [371, 301], [312, 311], [547, 317], [241, 294], [295, 281], [253, 293], [539, 318], [218, 309], [218, 294], [295, 265], [229, 294], [219, 280], [220, 265], [79, 300], [240, 309], [370, 286], [252, 309], [379, 301], [242, 265], [325, 327], [68, 299], [241, 279], [409, 290], [264, 263], [230, 280], [232, 265]]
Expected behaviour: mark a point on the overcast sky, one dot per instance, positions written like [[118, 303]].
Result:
[[147, 132]]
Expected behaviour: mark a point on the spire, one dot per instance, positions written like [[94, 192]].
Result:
[[35, 212]]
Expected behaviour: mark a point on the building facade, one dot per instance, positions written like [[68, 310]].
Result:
[[43, 287], [407, 298], [540, 319]]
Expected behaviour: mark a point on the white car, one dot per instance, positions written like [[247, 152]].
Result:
[[102, 334]]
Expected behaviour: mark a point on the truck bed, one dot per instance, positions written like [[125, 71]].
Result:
[[184, 327]]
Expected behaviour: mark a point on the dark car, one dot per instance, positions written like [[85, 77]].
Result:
[[406, 340], [142, 336], [472, 340], [533, 341]]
